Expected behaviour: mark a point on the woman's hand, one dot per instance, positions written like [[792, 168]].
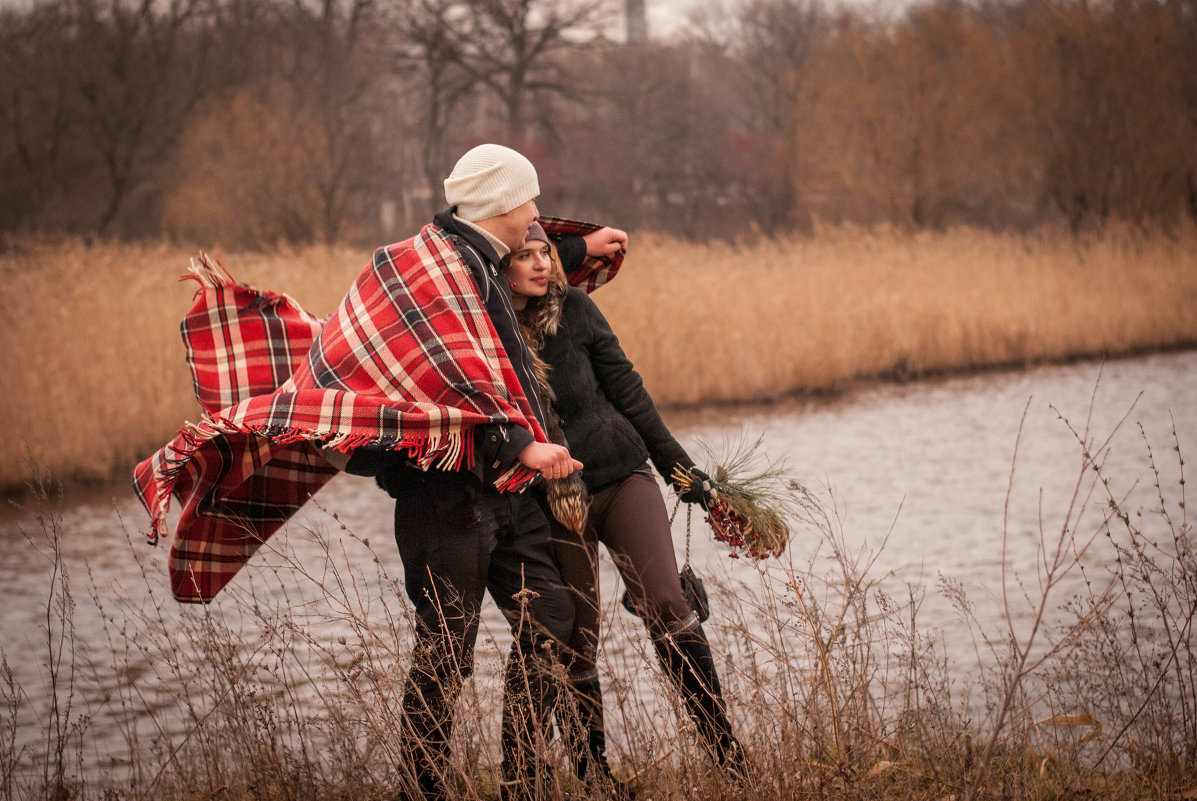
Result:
[[701, 490], [605, 242], [551, 461]]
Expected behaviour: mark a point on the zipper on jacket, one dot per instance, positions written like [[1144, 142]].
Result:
[[524, 366]]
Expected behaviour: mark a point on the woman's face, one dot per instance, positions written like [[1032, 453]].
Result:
[[528, 269]]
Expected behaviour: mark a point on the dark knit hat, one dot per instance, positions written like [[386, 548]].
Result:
[[536, 232]]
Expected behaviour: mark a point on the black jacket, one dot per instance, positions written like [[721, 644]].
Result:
[[609, 419]]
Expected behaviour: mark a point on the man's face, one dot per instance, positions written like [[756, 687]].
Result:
[[511, 228]]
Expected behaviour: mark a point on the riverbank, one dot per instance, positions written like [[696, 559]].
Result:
[[870, 662], [92, 364], [852, 671]]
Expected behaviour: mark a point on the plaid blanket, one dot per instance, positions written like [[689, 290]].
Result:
[[409, 361]]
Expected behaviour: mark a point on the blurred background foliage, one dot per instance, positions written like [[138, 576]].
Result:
[[249, 123]]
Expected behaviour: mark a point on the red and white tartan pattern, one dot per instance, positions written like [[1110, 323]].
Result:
[[241, 341], [596, 270], [410, 360], [234, 491]]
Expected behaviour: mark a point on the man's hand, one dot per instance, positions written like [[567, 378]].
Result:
[[605, 241], [551, 461]]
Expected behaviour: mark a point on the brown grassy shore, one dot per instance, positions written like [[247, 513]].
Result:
[[288, 688], [92, 372]]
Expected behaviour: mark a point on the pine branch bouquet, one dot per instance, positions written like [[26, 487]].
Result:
[[754, 497]]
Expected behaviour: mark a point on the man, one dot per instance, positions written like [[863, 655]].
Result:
[[458, 535], [420, 378]]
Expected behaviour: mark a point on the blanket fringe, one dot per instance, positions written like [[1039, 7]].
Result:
[[208, 273], [158, 528], [348, 442], [444, 452], [515, 479], [449, 451]]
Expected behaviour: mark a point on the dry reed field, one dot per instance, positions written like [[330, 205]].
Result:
[[728, 323], [92, 371]]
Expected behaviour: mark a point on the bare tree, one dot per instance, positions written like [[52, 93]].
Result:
[[654, 145], [334, 56], [34, 111], [510, 46], [1115, 97], [428, 58], [142, 67], [94, 94], [291, 149], [957, 127], [472, 67], [775, 41]]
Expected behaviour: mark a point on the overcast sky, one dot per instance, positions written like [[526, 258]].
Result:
[[666, 17]]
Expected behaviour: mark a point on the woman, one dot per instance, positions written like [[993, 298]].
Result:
[[613, 427]]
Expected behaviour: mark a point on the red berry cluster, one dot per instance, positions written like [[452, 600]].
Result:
[[728, 526], [732, 528]]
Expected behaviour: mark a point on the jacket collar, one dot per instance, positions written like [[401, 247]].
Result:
[[485, 244]]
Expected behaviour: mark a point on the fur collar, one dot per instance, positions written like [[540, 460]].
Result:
[[541, 318]]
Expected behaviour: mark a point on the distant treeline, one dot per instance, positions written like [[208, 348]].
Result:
[[236, 123]]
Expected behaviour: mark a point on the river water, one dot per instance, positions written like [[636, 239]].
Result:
[[922, 478]]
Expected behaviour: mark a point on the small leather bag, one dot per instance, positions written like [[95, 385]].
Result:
[[696, 594]]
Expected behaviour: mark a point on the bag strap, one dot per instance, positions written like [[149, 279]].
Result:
[[672, 515]]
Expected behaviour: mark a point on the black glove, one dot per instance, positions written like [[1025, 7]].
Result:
[[701, 490]]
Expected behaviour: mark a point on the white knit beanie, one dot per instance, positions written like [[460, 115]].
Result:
[[490, 180]]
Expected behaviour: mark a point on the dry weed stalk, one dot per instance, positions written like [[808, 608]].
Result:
[[877, 707], [55, 768], [1059, 556], [1143, 639], [289, 686], [12, 697]]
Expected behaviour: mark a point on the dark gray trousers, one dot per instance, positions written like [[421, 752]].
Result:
[[630, 518], [458, 541]]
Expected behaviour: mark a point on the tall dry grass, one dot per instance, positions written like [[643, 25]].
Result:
[[91, 362], [729, 322], [92, 373], [288, 686]]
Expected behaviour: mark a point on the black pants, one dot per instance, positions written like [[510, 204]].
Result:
[[458, 541]]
